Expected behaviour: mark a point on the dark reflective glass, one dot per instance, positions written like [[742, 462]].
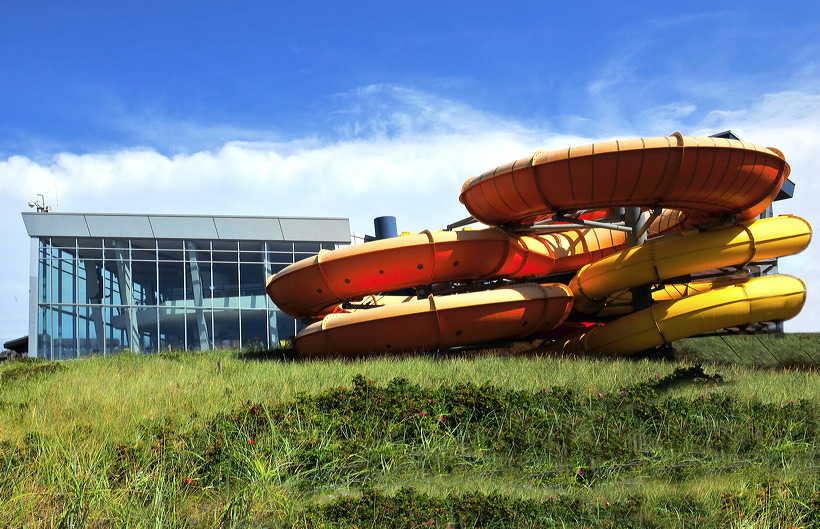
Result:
[[225, 280], [280, 257], [198, 282], [280, 246], [226, 328], [254, 329], [253, 277], [171, 281], [313, 247]]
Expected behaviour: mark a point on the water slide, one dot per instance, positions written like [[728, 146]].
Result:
[[613, 234]]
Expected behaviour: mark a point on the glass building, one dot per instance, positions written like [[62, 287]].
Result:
[[102, 284]]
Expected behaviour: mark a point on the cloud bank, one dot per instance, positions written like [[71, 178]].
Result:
[[389, 151]]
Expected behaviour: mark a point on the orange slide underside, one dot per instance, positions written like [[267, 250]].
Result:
[[695, 181]]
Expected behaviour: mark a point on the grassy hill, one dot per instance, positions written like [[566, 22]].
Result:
[[218, 440], [776, 350]]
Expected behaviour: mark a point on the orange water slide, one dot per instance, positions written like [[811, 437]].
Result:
[[705, 178], [439, 322], [314, 285]]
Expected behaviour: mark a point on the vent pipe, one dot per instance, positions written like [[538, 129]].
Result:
[[385, 227]]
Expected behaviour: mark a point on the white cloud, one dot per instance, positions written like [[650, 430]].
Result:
[[788, 121], [397, 152], [408, 156]]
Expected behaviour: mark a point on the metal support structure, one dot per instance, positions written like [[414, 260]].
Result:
[[196, 287], [460, 223], [126, 286], [637, 220], [634, 221], [645, 227], [560, 222]]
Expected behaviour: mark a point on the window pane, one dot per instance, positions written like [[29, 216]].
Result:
[[89, 281], [115, 338], [143, 250], [275, 268], [59, 281], [116, 250], [226, 329], [198, 282], [202, 256], [285, 325], [44, 277], [198, 329], [89, 242], [254, 329], [169, 244], [170, 249], [64, 242], [312, 247], [144, 255], [253, 302], [280, 247], [251, 246], [111, 280], [203, 245], [226, 257], [89, 319], [171, 329], [67, 284], [89, 253], [44, 336], [197, 251], [143, 244], [253, 278], [225, 280], [66, 342], [252, 257], [224, 245], [171, 282], [273, 337], [280, 257], [144, 275]]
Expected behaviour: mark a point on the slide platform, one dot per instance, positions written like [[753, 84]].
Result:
[[562, 245]]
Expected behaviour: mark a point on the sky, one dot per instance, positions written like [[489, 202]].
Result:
[[362, 109]]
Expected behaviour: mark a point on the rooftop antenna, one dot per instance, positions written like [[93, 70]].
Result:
[[41, 205]]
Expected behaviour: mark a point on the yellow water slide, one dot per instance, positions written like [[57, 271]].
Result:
[[687, 253], [767, 298]]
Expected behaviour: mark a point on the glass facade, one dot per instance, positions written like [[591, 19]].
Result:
[[99, 295]]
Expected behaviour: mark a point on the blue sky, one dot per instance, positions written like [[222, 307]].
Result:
[[361, 109]]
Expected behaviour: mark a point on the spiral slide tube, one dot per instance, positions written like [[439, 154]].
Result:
[[687, 253], [315, 285], [439, 322], [708, 189], [767, 298], [705, 178]]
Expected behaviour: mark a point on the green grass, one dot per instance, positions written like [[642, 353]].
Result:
[[776, 350], [488, 441]]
